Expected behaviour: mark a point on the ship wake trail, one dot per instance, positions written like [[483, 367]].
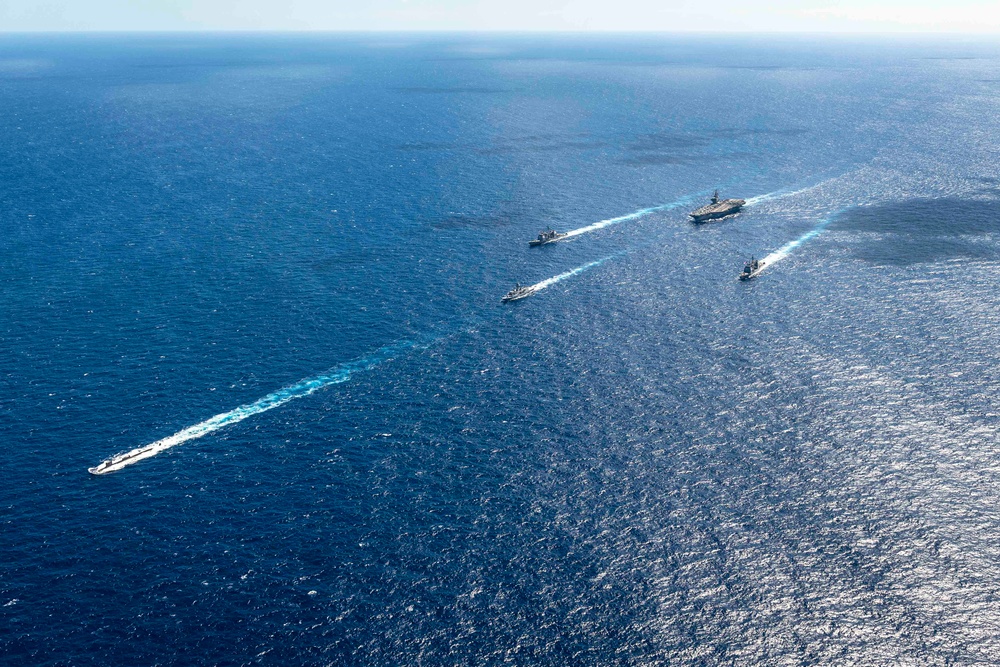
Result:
[[786, 250], [337, 375], [780, 194], [548, 282], [641, 213]]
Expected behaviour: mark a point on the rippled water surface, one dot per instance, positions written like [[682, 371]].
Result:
[[283, 258]]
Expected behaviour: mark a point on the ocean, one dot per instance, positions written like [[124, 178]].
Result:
[[281, 259]]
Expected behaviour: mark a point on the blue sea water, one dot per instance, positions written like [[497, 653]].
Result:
[[647, 462]]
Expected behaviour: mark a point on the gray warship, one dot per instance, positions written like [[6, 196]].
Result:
[[548, 236], [717, 209], [119, 461], [752, 269], [519, 292]]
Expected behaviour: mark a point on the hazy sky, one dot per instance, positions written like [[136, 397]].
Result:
[[621, 15]]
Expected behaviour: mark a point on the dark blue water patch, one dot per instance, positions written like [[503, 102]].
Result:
[[925, 230], [641, 159], [680, 148], [457, 90], [429, 146], [905, 251], [544, 143], [523, 144], [737, 132], [663, 141]]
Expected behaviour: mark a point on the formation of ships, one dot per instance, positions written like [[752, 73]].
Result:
[[716, 209]]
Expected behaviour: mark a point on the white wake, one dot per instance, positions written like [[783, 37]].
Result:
[[548, 282], [302, 388], [641, 213], [786, 250]]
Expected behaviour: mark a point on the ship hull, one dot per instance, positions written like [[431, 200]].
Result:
[[753, 274], [517, 297], [537, 242], [717, 211], [124, 460]]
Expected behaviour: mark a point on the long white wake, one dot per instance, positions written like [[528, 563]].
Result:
[[780, 194], [683, 201], [641, 213], [786, 250], [343, 372], [300, 389], [548, 282]]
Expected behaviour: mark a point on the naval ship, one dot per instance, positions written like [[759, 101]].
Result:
[[119, 461], [548, 236], [752, 269], [717, 209], [519, 292]]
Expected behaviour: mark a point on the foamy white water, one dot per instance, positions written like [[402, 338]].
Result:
[[683, 201], [343, 373], [781, 194], [641, 213], [785, 250], [300, 389], [548, 282]]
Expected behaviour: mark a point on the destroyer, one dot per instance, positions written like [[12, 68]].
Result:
[[519, 292], [548, 236], [752, 269], [717, 209], [119, 461]]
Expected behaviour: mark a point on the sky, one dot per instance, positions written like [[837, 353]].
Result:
[[941, 16]]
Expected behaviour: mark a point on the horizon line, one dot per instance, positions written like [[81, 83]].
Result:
[[487, 31]]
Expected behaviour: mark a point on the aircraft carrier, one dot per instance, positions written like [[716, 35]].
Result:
[[717, 209]]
